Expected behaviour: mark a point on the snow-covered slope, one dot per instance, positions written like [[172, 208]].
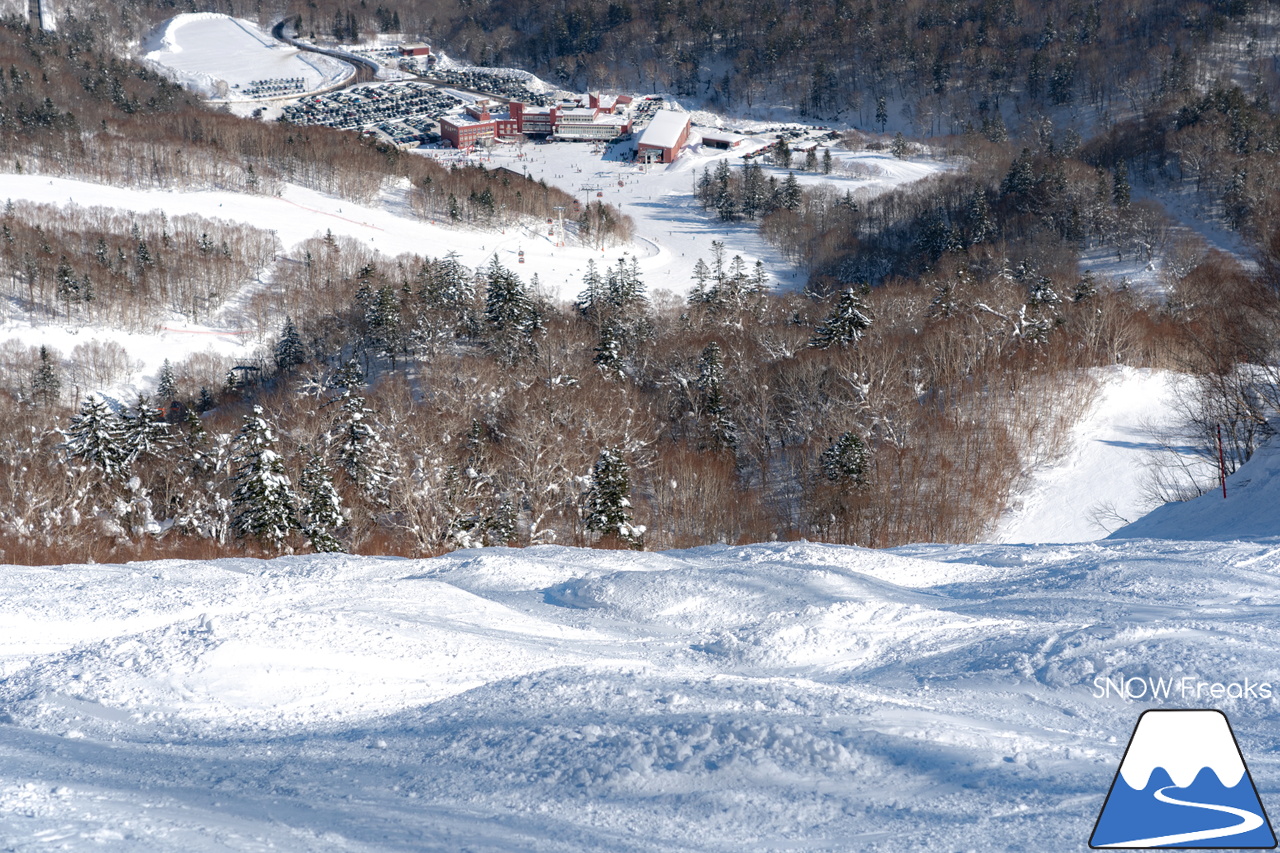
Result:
[[769, 697], [672, 234], [1099, 479], [1251, 509]]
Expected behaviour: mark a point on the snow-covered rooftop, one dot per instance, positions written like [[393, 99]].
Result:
[[665, 129], [722, 136]]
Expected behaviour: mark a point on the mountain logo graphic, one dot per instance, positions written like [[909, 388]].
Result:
[[1183, 784]]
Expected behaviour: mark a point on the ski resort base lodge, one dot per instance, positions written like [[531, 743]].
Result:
[[662, 140], [599, 119]]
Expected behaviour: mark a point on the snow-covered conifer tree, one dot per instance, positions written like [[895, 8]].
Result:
[[608, 500], [513, 316], [289, 349], [704, 290], [754, 190], [593, 291], [356, 446], [608, 355], [845, 325], [263, 501], [144, 431], [94, 436], [167, 386], [845, 461], [383, 323], [1086, 288], [721, 431], [45, 383], [321, 511], [791, 195]]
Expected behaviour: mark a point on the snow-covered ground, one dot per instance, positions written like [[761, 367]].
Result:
[[1247, 511], [762, 698], [221, 56], [1100, 479], [672, 229], [672, 233]]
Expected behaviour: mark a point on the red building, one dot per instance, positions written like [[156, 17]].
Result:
[[415, 50], [599, 121], [663, 138]]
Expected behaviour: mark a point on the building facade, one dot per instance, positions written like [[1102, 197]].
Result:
[[601, 118]]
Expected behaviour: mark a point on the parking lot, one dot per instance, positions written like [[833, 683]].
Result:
[[506, 86], [370, 105]]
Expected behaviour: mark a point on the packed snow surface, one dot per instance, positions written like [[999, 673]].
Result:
[[204, 49], [1101, 478], [759, 698]]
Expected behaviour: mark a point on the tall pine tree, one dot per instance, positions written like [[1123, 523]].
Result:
[[45, 382], [289, 350], [719, 428], [608, 500], [263, 501]]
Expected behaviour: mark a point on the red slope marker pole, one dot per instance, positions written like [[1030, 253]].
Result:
[[1222, 465]]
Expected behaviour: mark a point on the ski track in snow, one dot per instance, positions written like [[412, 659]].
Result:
[[1099, 481], [765, 697]]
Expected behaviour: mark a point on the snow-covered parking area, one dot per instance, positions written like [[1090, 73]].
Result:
[[202, 50], [767, 697]]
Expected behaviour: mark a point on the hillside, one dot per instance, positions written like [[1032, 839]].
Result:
[[1249, 509]]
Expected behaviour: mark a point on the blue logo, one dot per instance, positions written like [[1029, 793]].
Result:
[[1183, 783]]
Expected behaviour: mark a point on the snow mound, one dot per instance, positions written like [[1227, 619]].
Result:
[[788, 695]]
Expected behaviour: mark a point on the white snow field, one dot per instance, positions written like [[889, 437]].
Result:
[[759, 698], [672, 229], [203, 49], [1100, 478]]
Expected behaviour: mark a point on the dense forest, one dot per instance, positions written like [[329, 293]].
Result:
[[411, 405], [928, 67]]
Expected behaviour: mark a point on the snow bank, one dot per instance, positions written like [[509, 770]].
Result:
[[783, 696], [1251, 509]]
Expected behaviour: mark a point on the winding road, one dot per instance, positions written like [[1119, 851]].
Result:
[[366, 70]]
